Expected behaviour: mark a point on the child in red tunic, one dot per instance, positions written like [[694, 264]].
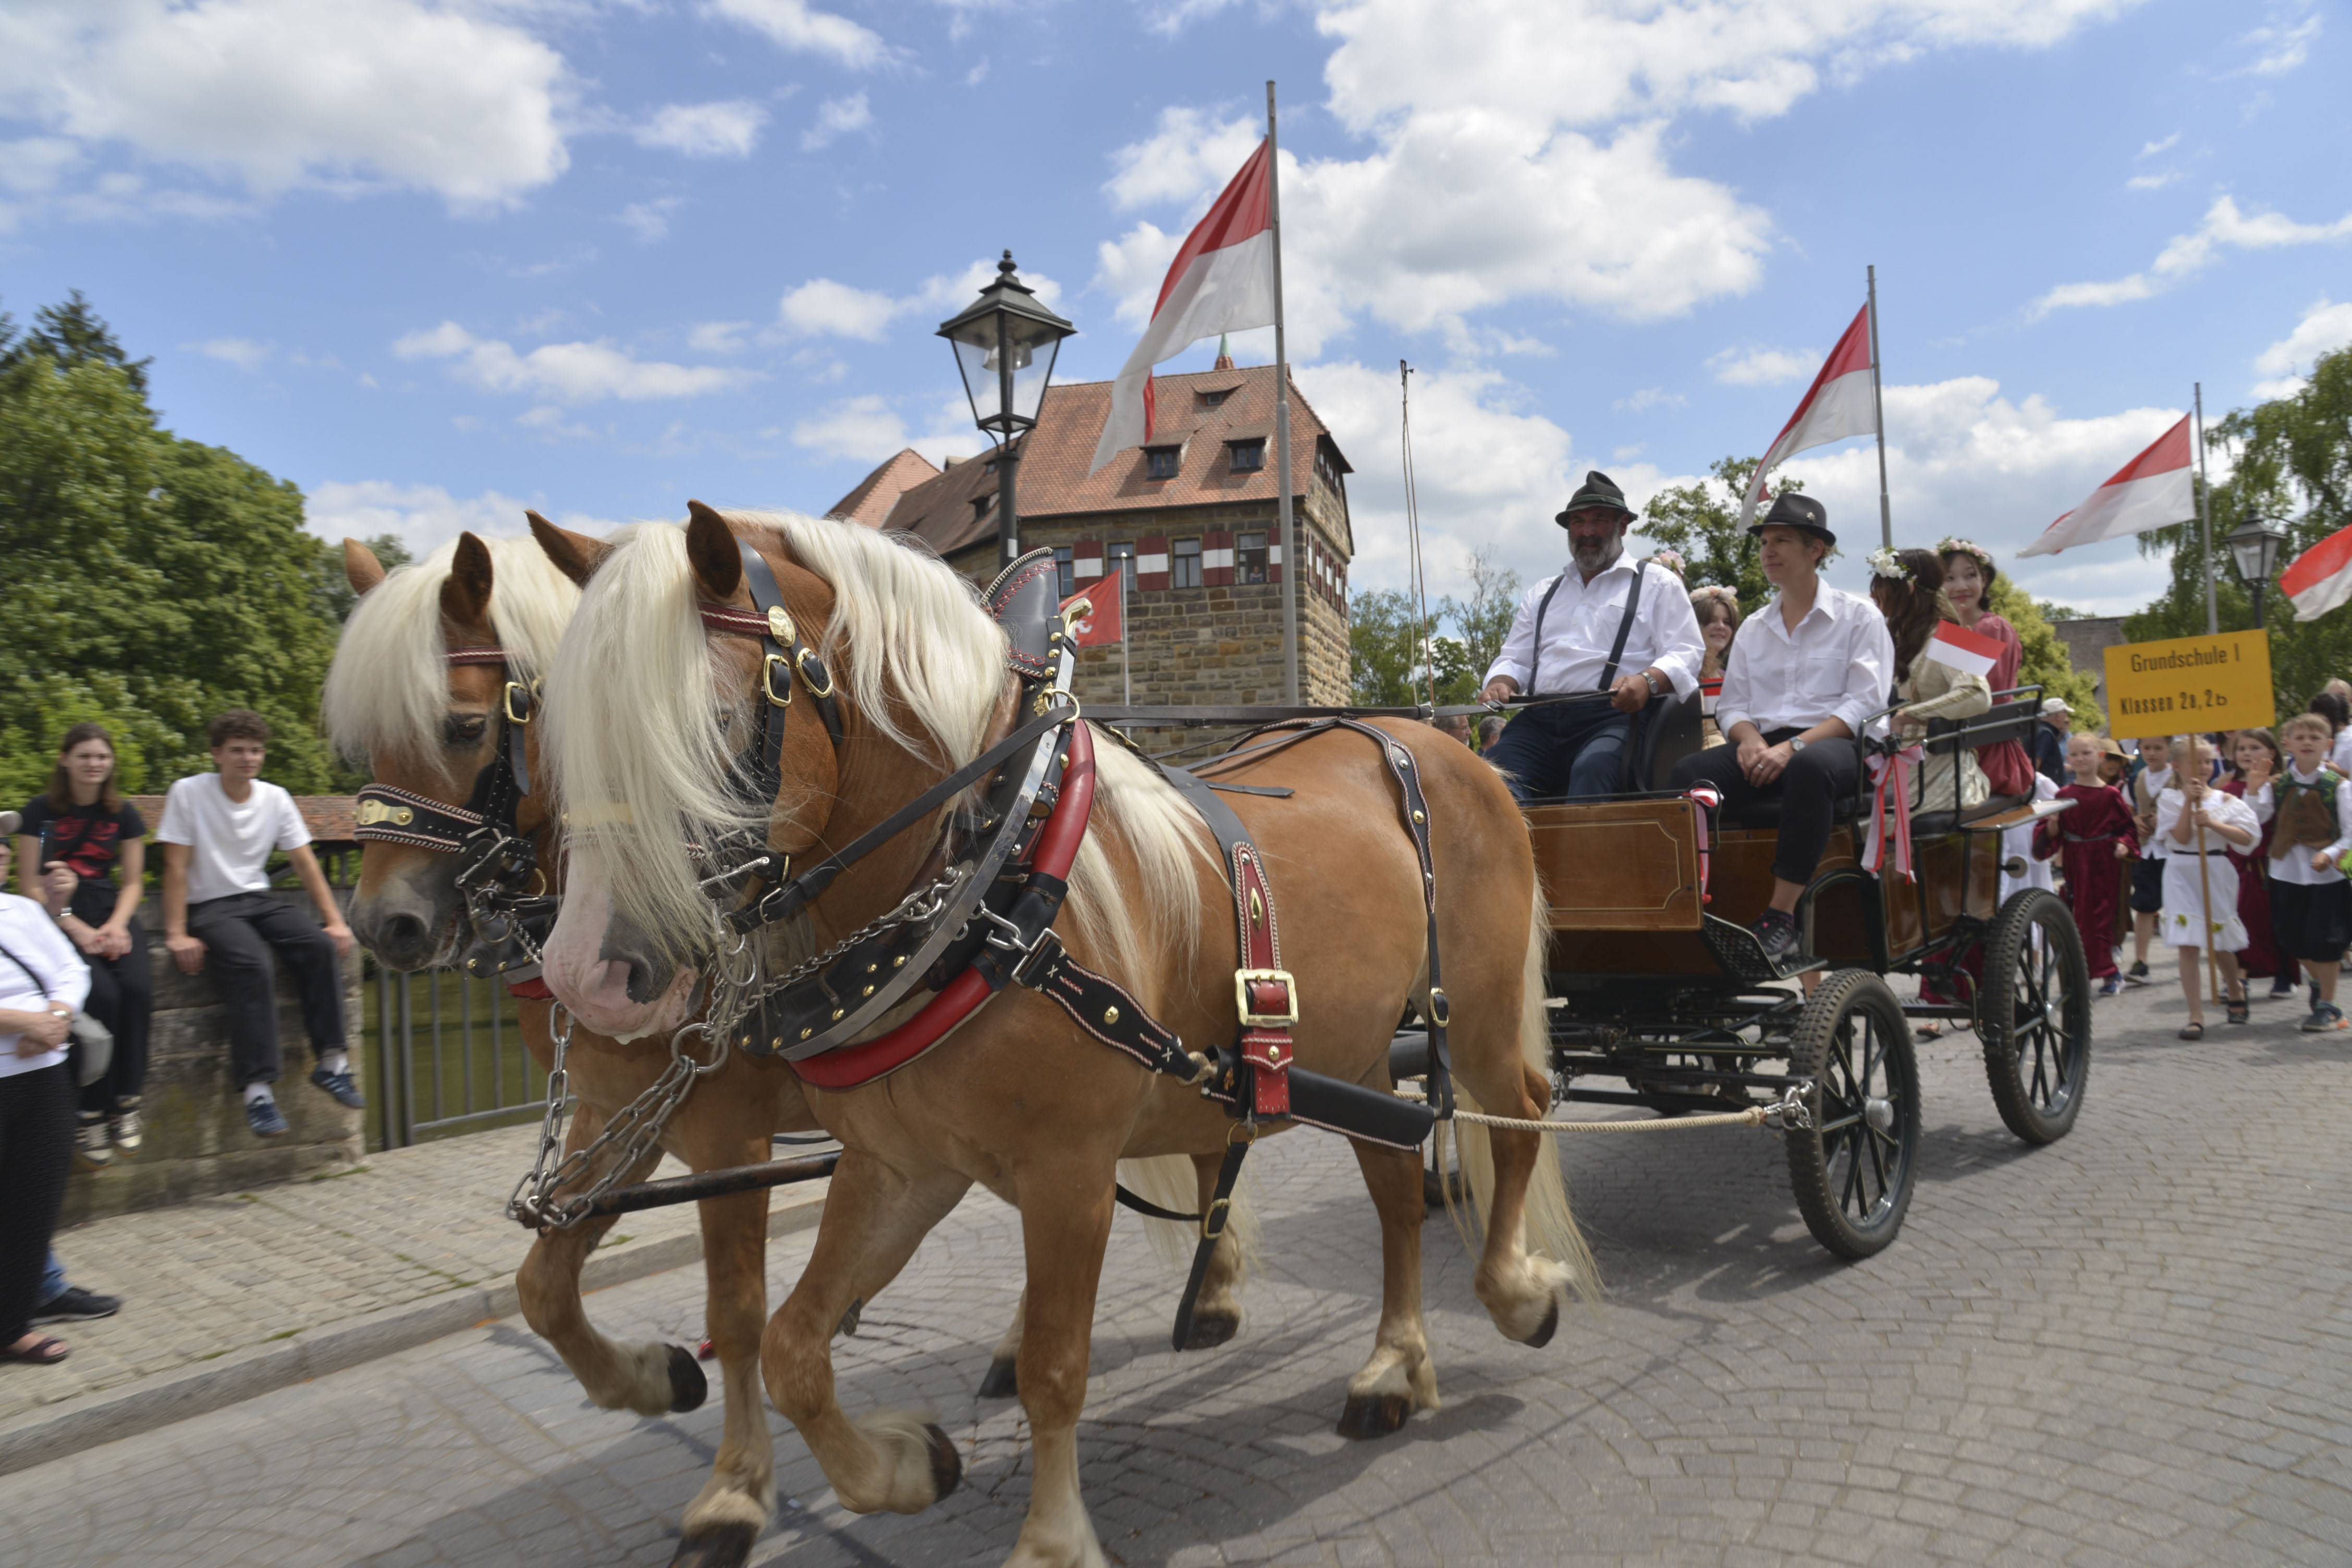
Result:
[[2096, 838]]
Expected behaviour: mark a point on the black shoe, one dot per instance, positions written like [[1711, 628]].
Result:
[[341, 1086], [2138, 972], [75, 1305], [1776, 933], [266, 1120]]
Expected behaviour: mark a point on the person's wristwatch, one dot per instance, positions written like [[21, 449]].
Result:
[[1650, 680], [1796, 744]]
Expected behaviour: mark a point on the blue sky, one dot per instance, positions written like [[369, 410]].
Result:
[[435, 262]]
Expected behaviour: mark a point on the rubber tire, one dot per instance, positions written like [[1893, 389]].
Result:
[[2008, 1045], [1844, 999]]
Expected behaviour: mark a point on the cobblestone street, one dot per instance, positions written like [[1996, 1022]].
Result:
[[2134, 1347]]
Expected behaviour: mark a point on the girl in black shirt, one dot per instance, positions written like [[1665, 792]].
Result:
[[83, 824]]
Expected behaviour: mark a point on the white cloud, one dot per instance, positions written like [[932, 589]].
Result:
[[279, 93], [837, 117], [2284, 44], [2225, 227], [242, 353], [1189, 153], [822, 307], [34, 165], [865, 429], [2152, 182], [547, 421], [1650, 397], [718, 337], [426, 516], [565, 373], [1762, 367], [793, 24], [2150, 149], [730, 129], [2323, 328], [649, 221]]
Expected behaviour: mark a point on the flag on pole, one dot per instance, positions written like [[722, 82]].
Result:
[[1100, 626], [1970, 653], [1221, 281], [1839, 404], [2153, 490], [2320, 579]]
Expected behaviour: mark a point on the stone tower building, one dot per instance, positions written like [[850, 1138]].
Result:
[[1189, 518]]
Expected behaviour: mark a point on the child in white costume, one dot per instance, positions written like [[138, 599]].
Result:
[[2200, 905]]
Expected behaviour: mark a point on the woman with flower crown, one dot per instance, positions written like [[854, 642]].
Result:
[[1908, 587], [1717, 609], [1968, 577]]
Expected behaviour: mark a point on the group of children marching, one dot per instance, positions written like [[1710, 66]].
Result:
[[2168, 832]]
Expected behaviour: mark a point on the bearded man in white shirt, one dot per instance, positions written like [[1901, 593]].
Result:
[[1600, 625], [1807, 669]]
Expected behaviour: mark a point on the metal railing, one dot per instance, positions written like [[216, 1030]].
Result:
[[446, 1055]]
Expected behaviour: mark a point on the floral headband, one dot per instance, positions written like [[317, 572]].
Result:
[[1717, 591], [1670, 560], [1952, 546], [1887, 562]]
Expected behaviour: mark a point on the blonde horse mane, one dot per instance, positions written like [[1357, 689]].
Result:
[[908, 638], [388, 687]]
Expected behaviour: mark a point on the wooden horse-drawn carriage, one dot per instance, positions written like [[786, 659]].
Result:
[[1654, 978]]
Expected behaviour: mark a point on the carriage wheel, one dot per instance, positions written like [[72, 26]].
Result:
[[1853, 1169], [2037, 1049]]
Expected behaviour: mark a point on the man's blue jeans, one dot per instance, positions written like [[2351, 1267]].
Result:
[[53, 1281], [1571, 749]]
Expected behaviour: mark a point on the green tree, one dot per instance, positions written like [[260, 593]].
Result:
[[2045, 662], [147, 582], [2293, 464], [1701, 524], [1483, 620], [1384, 650], [335, 599]]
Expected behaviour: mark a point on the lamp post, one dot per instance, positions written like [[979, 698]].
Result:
[[2254, 544], [1006, 344]]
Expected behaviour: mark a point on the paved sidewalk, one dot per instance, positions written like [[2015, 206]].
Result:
[[226, 1298]]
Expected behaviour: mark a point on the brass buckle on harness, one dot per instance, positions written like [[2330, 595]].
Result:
[[509, 699], [801, 661], [1245, 978], [768, 681], [372, 812]]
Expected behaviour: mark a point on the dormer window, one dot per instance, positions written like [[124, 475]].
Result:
[[979, 505], [1160, 462], [1248, 456], [1215, 399]]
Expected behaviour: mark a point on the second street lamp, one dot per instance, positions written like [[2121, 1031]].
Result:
[[2254, 544], [1006, 342]]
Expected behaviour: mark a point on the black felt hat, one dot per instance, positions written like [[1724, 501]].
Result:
[[1598, 491], [1800, 511]]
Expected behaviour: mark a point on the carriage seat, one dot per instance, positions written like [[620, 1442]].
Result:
[[1766, 813], [1664, 733], [1936, 824]]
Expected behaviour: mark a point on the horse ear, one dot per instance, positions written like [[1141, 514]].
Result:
[[361, 569], [711, 546], [576, 555], [465, 592]]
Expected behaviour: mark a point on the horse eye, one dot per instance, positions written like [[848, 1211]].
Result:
[[464, 729]]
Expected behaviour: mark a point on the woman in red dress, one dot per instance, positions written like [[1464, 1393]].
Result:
[[1968, 577], [2258, 761]]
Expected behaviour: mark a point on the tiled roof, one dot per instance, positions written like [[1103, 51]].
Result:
[[1055, 457], [332, 818], [878, 492]]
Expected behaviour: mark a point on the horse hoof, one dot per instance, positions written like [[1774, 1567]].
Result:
[[1211, 1330], [720, 1546], [1003, 1379], [1544, 1330], [947, 1465], [1373, 1414], [687, 1387]]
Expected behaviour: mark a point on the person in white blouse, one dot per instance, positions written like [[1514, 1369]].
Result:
[[1603, 625], [1808, 669], [2311, 901], [43, 981], [2200, 826]]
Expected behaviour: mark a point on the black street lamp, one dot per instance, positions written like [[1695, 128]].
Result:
[[1006, 344], [2254, 544]]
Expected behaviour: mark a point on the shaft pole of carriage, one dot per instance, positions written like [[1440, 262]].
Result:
[[713, 1184]]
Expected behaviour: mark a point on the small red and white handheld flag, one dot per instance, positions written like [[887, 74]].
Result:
[[1839, 404], [2152, 490], [2320, 579], [1221, 281], [1100, 626], [1970, 653]]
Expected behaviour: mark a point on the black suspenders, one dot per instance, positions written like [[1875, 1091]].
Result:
[[1616, 651]]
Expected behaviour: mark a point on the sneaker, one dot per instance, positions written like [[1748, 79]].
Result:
[[2283, 986], [2111, 985], [75, 1305], [90, 1146], [125, 1128], [2326, 1019], [341, 1086], [266, 1120], [1776, 933], [2138, 972]]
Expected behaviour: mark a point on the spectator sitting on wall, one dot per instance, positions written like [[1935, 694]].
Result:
[[2050, 740], [217, 833], [82, 826]]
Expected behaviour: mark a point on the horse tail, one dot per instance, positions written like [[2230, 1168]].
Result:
[[1551, 1228], [1170, 1181]]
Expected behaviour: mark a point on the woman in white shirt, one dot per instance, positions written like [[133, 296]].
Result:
[[42, 982], [1808, 669]]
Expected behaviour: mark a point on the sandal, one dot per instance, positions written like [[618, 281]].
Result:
[[2237, 1013], [2195, 1031], [1928, 1032], [44, 1350]]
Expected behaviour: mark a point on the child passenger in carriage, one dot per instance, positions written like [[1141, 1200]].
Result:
[[2096, 840], [2200, 826]]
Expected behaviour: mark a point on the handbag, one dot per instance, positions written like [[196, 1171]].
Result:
[[89, 1044]]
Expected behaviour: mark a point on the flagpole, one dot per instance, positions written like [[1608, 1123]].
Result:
[[1290, 553], [1126, 686], [1878, 417], [2205, 520]]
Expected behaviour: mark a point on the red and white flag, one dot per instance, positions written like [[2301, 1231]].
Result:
[[2320, 579], [1101, 626], [1221, 281], [2152, 490], [1970, 653], [1839, 404]]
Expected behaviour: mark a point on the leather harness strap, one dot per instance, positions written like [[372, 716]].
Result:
[[1264, 997]]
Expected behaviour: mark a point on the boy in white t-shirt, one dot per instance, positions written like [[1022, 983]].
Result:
[[217, 834]]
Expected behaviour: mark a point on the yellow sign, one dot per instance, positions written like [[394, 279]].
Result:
[[2191, 683]]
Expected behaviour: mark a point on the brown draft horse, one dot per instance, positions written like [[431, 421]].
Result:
[[1018, 1100]]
